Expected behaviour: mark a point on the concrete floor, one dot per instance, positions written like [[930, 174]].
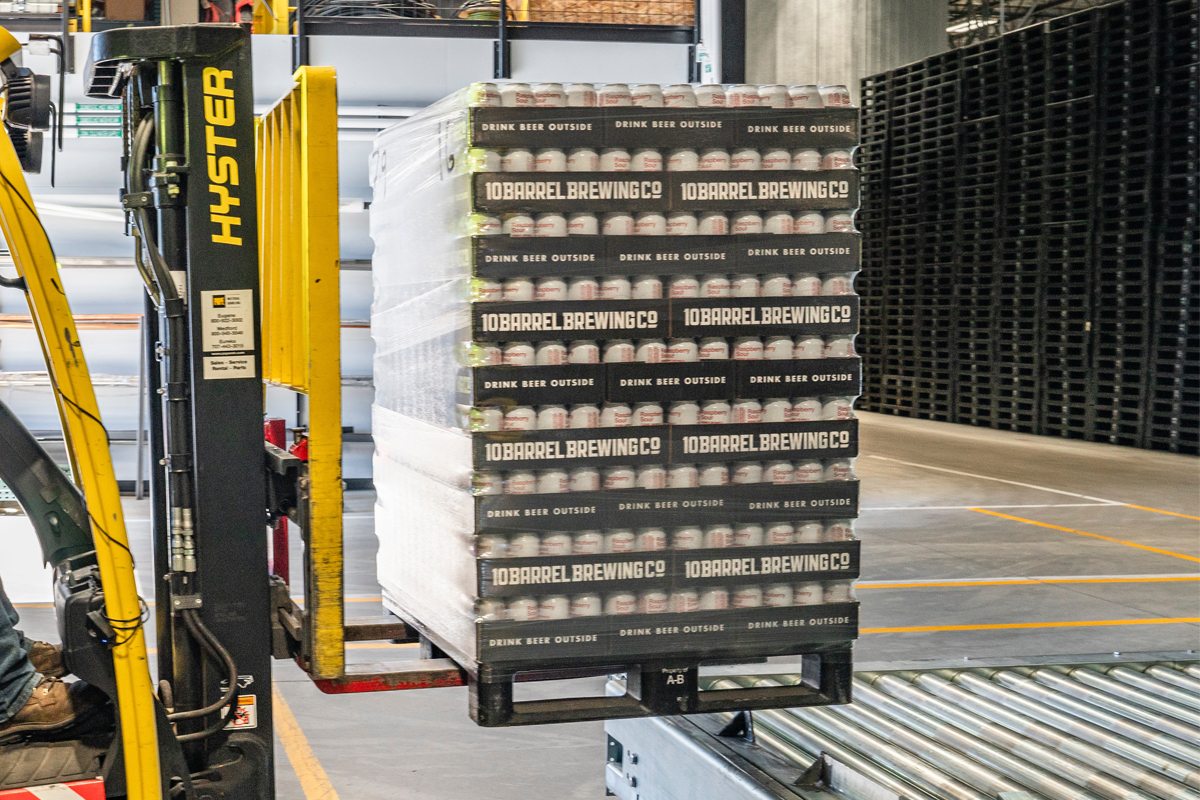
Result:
[[1073, 548]]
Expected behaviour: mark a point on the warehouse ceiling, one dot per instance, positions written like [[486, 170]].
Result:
[[973, 21]]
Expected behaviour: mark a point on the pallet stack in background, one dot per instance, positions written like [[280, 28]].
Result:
[[615, 379], [1030, 230]]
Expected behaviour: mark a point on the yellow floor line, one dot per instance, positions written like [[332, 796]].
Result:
[[313, 780], [1026, 582], [1100, 536], [1006, 626], [378, 645], [1161, 511]]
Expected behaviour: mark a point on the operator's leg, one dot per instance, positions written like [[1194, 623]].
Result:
[[17, 675]]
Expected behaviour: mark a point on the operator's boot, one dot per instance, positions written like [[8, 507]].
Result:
[[47, 659], [53, 706]]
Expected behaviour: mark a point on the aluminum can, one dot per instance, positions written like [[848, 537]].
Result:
[[806, 284], [555, 543], [487, 608], [519, 354], [650, 540], [713, 159], [776, 409], [683, 476], [554, 606], [837, 408], [583, 351], [684, 412], [583, 159], [617, 223], [808, 593], [683, 286], [648, 414], [746, 472], [838, 592], [712, 223], [683, 159], [743, 285], [777, 222], [714, 349], [685, 601], [809, 471], [806, 409], [835, 96], [776, 285], [524, 545], [583, 223], [615, 159], [646, 287], [837, 159], [806, 222], [808, 532], [714, 475], [718, 536], [552, 418], [522, 609], [837, 284], [714, 412], [777, 348], [518, 289], [779, 473], [585, 415], [585, 479], [550, 159], [615, 287], [777, 595], [588, 604], [687, 538], [805, 96], [485, 95], [618, 351], [653, 601], [652, 476], [618, 541], [650, 351], [550, 288], [746, 222], [746, 411], [747, 348], [776, 158], [646, 159], [646, 95], [487, 482], [839, 530], [839, 469], [650, 223], [517, 159], [487, 418], [741, 95], [839, 347], [580, 95], [774, 96], [839, 222], [488, 225], [553, 481], [710, 95], [516, 95], [748, 596], [682, 223], [748, 534], [714, 599], [745, 158], [490, 546], [620, 603], [586, 543], [549, 95], [715, 286], [615, 415], [806, 159], [679, 95], [779, 533], [614, 95], [485, 354], [487, 160], [682, 351], [519, 226], [809, 347]]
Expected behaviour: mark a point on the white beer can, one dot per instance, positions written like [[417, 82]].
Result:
[[488, 225], [586, 605], [683, 286], [747, 411], [806, 159], [650, 223], [745, 158], [742, 95], [620, 603], [746, 472], [809, 471], [837, 284], [615, 287], [617, 223], [777, 595], [614, 95], [682, 476], [487, 290], [747, 348], [715, 286], [774, 96], [714, 412], [550, 159], [679, 95], [652, 476], [776, 158], [485, 95], [779, 473], [619, 540], [616, 415], [806, 222], [553, 481], [714, 475], [518, 289], [718, 536], [516, 95], [713, 159], [806, 284], [687, 537], [776, 409], [487, 482], [615, 159], [549, 95], [837, 159], [839, 222], [517, 159], [743, 285], [777, 222], [684, 412], [712, 223], [487, 418], [837, 408], [839, 530], [549, 289], [519, 354], [683, 159], [490, 546], [646, 95], [587, 543], [487, 160], [839, 592], [809, 532], [651, 540], [585, 479], [809, 347], [653, 601], [746, 222], [650, 351], [714, 599], [618, 351], [808, 593], [714, 349], [777, 348], [583, 289], [488, 609], [485, 354], [552, 418], [585, 415], [646, 287], [682, 351], [805, 96], [555, 543], [748, 534], [522, 609], [583, 351], [682, 223], [649, 414], [839, 469], [776, 285], [839, 347], [583, 159], [835, 96], [524, 545], [684, 601], [806, 409], [580, 95], [646, 159], [748, 596], [779, 533], [710, 95], [519, 226]]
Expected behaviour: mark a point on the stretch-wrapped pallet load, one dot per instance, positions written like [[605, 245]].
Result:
[[615, 372]]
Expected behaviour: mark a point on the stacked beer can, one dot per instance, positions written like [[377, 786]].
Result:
[[616, 374]]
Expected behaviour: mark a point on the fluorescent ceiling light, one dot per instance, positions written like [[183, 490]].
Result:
[[972, 24]]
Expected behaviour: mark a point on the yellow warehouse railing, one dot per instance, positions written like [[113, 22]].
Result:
[[301, 336]]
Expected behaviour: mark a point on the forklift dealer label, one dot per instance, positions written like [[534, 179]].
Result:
[[227, 334]]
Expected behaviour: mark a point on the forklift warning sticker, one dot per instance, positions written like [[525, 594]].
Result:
[[227, 333], [245, 714]]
